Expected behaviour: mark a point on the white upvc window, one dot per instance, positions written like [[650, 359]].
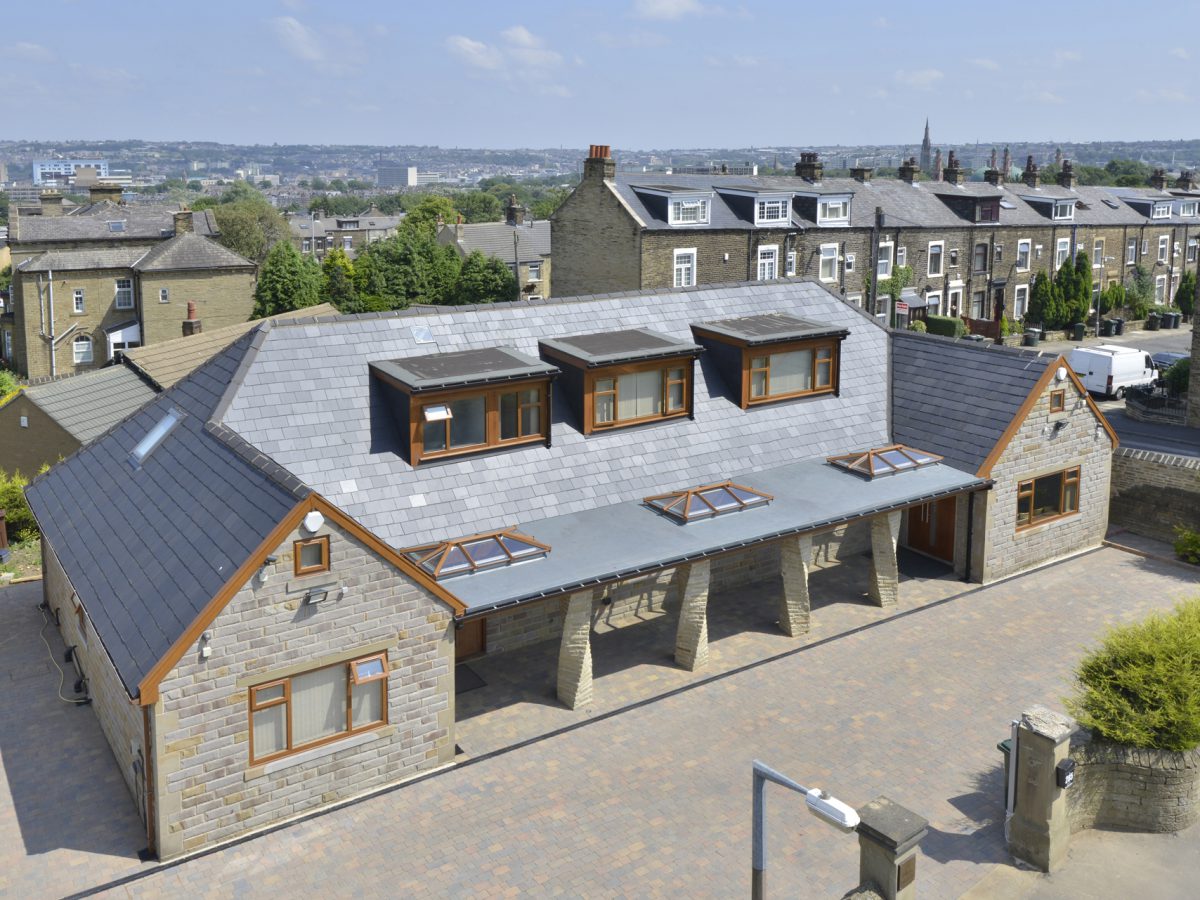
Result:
[[535, 271], [937, 253], [1020, 300], [1161, 211], [1164, 245], [768, 263], [1145, 246], [1023, 248], [1062, 251], [774, 211], [855, 299], [833, 212], [1189, 208], [791, 262], [1191, 250], [685, 267], [883, 266], [1131, 251], [849, 262], [306, 246], [688, 211], [1160, 289], [124, 293], [81, 349], [934, 299], [164, 295], [1064, 209], [1098, 253], [347, 242], [77, 300], [901, 256], [829, 255]]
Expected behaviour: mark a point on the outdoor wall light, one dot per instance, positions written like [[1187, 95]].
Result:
[[206, 645]]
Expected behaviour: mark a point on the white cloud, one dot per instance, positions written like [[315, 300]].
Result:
[[520, 36], [1179, 53], [1168, 95], [990, 64], [881, 23], [518, 57], [527, 49], [637, 40], [28, 51], [921, 79], [1049, 98], [736, 61], [1062, 57], [474, 53], [668, 9], [297, 39]]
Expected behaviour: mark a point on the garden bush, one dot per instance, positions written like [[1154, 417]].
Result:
[[21, 524], [1177, 376], [1141, 687], [918, 326], [949, 326], [1187, 545]]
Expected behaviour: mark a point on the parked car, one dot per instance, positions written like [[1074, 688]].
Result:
[[1164, 359], [1109, 370]]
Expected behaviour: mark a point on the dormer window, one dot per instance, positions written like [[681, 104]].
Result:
[[450, 404], [834, 211], [1189, 209], [1161, 211], [773, 357], [772, 211], [1064, 209], [689, 211], [620, 378], [988, 211]]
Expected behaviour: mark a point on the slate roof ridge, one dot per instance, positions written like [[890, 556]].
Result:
[[978, 346], [259, 460], [216, 254], [257, 336]]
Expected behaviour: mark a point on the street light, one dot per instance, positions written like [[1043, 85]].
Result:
[[841, 815]]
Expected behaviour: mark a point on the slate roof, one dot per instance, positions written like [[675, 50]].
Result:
[[89, 404], [188, 252], [956, 398], [306, 400], [167, 362], [147, 549], [83, 259], [91, 223], [496, 239]]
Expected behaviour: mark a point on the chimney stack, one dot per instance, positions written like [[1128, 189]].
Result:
[[191, 325], [458, 228], [938, 169], [1007, 164], [994, 177], [810, 167], [599, 163], [515, 214], [862, 173], [1066, 175], [1158, 180], [1186, 181], [908, 170], [98, 193], [52, 203], [183, 221], [1030, 175], [953, 173]]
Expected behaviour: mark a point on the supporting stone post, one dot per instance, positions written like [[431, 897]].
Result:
[[795, 560], [1041, 828], [885, 571], [691, 639], [575, 652], [888, 837]]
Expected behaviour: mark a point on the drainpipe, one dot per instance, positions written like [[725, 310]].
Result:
[[970, 532], [41, 308], [876, 230], [53, 348]]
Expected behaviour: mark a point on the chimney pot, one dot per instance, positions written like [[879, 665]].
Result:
[[192, 324], [1186, 180], [862, 173], [599, 164], [1030, 176], [1066, 175], [1158, 179], [810, 167], [908, 170], [183, 221]]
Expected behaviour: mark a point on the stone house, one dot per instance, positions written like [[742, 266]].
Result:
[[974, 247], [385, 495], [522, 245], [313, 236]]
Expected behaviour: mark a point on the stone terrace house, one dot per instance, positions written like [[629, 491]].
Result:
[[522, 245], [385, 494], [315, 236], [974, 247]]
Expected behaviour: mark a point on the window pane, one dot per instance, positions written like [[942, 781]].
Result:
[[312, 555], [455, 561], [720, 498], [675, 397], [468, 426], [434, 436], [486, 551], [368, 668], [697, 508], [367, 702], [265, 695], [1071, 496], [270, 730], [791, 372], [318, 704], [639, 394], [604, 407], [1047, 494], [758, 379], [508, 416]]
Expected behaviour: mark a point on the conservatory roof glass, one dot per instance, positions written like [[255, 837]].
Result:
[[707, 501], [478, 551], [884, 460]]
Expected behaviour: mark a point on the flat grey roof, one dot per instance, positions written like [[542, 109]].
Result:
[[463, 367], [627, 539], [607, 347], [769, 328]]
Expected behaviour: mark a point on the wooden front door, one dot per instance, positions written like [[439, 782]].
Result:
[[471, 639], [931, 528]]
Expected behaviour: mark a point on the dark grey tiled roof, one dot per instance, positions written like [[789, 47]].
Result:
[[768, 329], [188, 252], [88, 405], [147, 549], [608, 347], [83, 259], [496, 239], [956, 398], [91, 223], [438, 371], [306, 400]]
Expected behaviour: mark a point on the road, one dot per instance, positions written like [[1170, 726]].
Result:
[[1179, 339]]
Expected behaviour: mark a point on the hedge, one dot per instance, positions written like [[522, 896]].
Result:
[[948, 326]]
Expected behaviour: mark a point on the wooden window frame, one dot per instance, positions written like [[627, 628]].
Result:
[[834, 364], [1027, 488], [253, 706], [323, 566], [492, 439], [591, 376], [1058, 401]]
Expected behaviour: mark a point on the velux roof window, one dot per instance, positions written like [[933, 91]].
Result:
[[884, 460], [480, 551], [154, 437], [708, 501]]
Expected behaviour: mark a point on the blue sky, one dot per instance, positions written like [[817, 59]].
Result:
[[640, 74]]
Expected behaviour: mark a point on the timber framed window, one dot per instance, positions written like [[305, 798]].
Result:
[[468, 421], [317, 707], [789, 370], [1047, 498], [638, 392], [1058, 401], [312, 555], [464, 556]]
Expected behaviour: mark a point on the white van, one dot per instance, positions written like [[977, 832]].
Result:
[[1108, 370]]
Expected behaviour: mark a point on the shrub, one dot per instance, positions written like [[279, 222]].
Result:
[[1187, 545], [8, 383], [918, 326], [949, 326], [21, 524], [1177, 376], [1141, 687]]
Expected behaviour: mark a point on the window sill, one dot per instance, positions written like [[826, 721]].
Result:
[[306, 756], [1029, 529]]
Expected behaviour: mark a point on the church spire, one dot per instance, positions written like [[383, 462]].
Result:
[[927, 151]]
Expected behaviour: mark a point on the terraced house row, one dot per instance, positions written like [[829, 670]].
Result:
[[974, 247]]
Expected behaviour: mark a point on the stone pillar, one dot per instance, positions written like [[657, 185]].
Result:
[[795, 560], [888, 837], [691, 639], [885, 571], [1040, 828], [575, 652]]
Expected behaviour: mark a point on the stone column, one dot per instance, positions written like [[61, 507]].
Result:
[[575, 652], [691, 639], [1040, 828], [888, 837], [885, 571], [795, 560]]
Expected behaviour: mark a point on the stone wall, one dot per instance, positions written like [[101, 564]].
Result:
[[207, 788], [1125, 787], [1193, 396], [1154, 492], [222, 297], [595, 242], [41, 440]]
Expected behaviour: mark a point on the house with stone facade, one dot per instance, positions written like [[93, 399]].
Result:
[[316, 237], [520, 243], [287, 552], [974, 247]]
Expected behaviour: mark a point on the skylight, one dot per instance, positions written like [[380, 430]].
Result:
[[884, 460], [1007, 204], [117, 226], [154, 437], [1110, 203], [707, 501], [479, 551]]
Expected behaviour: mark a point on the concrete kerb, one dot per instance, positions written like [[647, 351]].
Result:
[[602, 717]]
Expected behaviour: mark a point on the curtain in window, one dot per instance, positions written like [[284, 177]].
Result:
[[639, 394], [791, 372], [469, 423], [318, 704], [366, 702], [270, 730]]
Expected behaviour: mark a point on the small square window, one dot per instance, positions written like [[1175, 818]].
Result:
[[312, 555], [370, 668], [1058, 401], [164, 295]]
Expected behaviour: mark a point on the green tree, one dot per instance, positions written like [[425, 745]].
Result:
[[1113, 297], [338, 273], [409, 267], [3, 208], [422, 218], [544, 206], [338, 185], [247, 221], [318, 184], [484, 279], [477, 206], [5, 278], [287, 281], [1044, 302], [1185, 294], [1139, 292]]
